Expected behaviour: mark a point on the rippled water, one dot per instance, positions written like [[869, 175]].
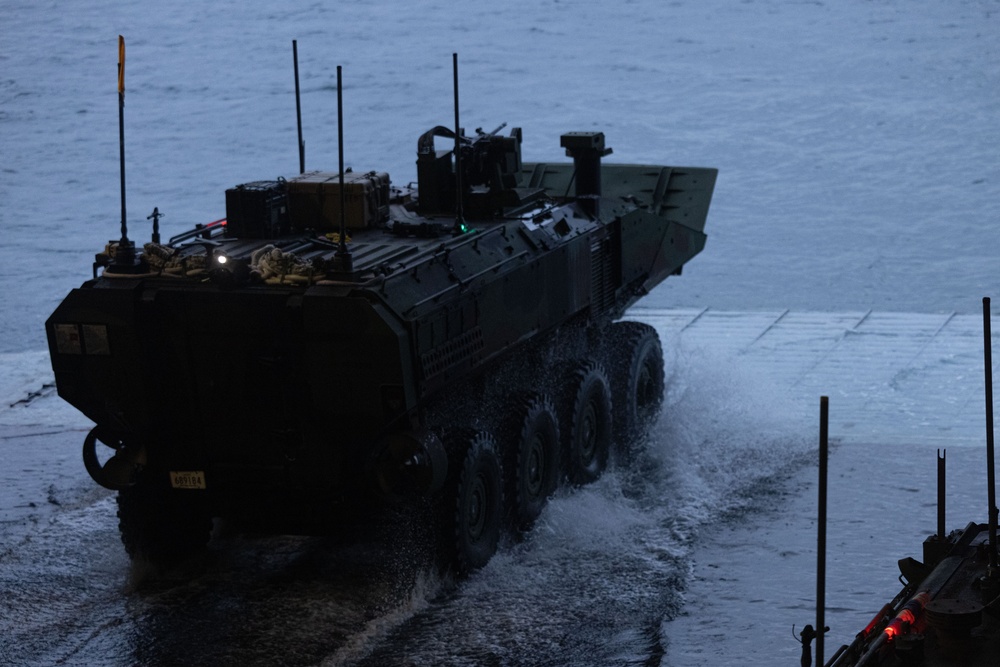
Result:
[[856, 141]]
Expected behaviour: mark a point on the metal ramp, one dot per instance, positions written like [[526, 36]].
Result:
[[892, 377]]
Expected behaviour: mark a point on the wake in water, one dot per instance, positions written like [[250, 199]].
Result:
[[592, 583], [607, 564], [728, 433]]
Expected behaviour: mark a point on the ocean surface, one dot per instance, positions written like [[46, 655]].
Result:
[[857, 141]]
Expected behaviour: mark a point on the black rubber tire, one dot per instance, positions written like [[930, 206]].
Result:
[[635, 357], [477, 510], [532, 463], [587, 424], [160, 525]]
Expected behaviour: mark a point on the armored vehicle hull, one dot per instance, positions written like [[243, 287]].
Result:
[[301, 362]]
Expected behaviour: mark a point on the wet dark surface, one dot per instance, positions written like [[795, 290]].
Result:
[[71, 596], [595, 582], [700, 552], [591, 584]]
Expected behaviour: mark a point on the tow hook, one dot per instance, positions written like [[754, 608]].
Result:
[[119, 471], [411, 462]]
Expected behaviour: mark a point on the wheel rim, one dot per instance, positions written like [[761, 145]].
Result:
[[588, 434], [534, 475], [479, 504], [589, 417], [478, 501], [645, 390]]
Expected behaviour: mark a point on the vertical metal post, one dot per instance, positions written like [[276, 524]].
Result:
[[298, 108], [459, 214], [990, 472], [121, 129], [343, 254], [125, 259], [155, 217], [941, 470], [824, 416]]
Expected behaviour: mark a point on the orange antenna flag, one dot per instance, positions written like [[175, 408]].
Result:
[[121, 65]]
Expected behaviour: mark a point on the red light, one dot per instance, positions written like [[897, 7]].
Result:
[[907, 616], [883, 612]]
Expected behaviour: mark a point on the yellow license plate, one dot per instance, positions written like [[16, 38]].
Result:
[[187, 479]]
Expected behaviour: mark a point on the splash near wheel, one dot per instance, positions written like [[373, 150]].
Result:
[[588, 440], [637, 380], [478, 509], [532, 467], [160, 525]]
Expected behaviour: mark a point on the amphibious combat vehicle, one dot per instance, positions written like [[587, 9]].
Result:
[[338, 342]]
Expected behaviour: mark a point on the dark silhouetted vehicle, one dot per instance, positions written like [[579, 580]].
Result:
[[338, 343]]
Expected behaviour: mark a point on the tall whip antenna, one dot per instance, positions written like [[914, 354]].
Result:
[[459, 219], [990, 473], [125, 254], [343, 255], [298, 108]]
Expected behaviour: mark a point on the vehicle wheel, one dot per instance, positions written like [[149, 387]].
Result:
[[162, 526], [637, 380], [588, 436], [532, 463], [478, 503]]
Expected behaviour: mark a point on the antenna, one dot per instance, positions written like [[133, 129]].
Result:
[[343, 255], [990, 473], [298, 108], [942, 476], [459, 219], [809, 633], [125, 254], [824, 429], [155, 217]]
